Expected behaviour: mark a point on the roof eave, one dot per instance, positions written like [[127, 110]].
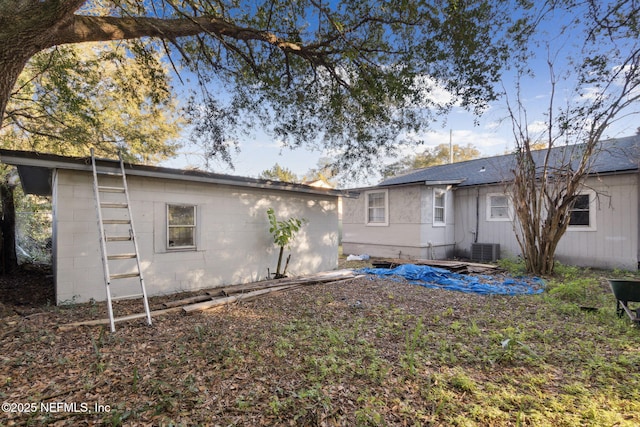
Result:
[[445, 182], [47, 161]]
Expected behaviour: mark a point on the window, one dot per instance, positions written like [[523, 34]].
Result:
[[579, 212], [376, 208], [439, 202], [582, 215], [498, 207], [181, 226]]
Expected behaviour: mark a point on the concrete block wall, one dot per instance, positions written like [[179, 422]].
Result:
[[233, 243]]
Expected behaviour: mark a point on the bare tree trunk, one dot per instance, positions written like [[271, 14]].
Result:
[[543, 195], [8, 230], [11, 65]]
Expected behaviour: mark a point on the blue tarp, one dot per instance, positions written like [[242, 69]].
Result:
[[439, 278]]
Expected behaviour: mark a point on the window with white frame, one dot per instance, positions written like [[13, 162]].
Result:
[[439, 206], [377, 207], [498, 208], [181, 226], [582, 214]]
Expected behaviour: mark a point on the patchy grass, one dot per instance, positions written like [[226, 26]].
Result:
[[366, 352]]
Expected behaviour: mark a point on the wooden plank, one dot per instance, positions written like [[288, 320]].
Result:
[[438, 262], [205, 302], [186, 301], [230, 299], [97, 322], [246, 287], [454, 265], [293, 286], [312, 278], [272, 291], [334, 282]]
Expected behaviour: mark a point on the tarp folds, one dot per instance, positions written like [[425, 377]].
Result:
[[439, 278]]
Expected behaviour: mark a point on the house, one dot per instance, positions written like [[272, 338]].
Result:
[[323, 183], [462, 209], [230, 242], [320, 182]]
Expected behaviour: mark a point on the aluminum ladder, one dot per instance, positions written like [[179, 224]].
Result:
[[118, 242]]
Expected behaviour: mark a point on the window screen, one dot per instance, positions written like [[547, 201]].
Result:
[[499, 207], [580, 211], [181, 226], [376, 208], [438, 206]]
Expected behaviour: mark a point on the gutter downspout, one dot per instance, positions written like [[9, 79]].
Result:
[[475, 237]]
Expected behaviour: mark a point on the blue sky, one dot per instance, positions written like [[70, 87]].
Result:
[[491, 133]]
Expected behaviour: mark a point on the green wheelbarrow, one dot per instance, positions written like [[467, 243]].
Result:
[[626, 291]]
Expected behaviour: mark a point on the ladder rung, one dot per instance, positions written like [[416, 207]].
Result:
[[111, 173], [113, 205], [111, 189], [124, 276], [117, 188], [121, 256], [116, 221], [118, 238], [127, 297]]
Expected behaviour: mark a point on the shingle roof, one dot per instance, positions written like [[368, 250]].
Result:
[[613, 155]]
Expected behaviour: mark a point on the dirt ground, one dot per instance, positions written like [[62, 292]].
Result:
[[369, 351], [26, 291]]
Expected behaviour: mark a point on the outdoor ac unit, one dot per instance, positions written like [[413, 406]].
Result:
[[485, 251]]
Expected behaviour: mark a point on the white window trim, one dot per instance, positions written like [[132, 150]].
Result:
[[195, 228], [509, 216], [444, 192], [592, 213], [385, 223]]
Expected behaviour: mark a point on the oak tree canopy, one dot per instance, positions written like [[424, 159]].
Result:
[[353, 76]]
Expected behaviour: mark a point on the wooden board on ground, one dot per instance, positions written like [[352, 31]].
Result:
[[456, 266], [250, 291], [185, 301], [206, 305], [96, 322], [328, 276], [230, 294]]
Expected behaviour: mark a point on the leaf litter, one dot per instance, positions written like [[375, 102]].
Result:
[[370, 351]]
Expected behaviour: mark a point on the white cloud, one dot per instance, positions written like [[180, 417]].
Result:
[[492, 125], [488, 143], [537, 127], [433, 91], [590, 94]]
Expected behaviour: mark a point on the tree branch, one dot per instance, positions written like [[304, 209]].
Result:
[[106, 28]]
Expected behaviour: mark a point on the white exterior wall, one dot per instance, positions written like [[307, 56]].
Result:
[[410, 232], [612, 243], [472, 218], [399, 238], [232, 236], [437, 240]]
